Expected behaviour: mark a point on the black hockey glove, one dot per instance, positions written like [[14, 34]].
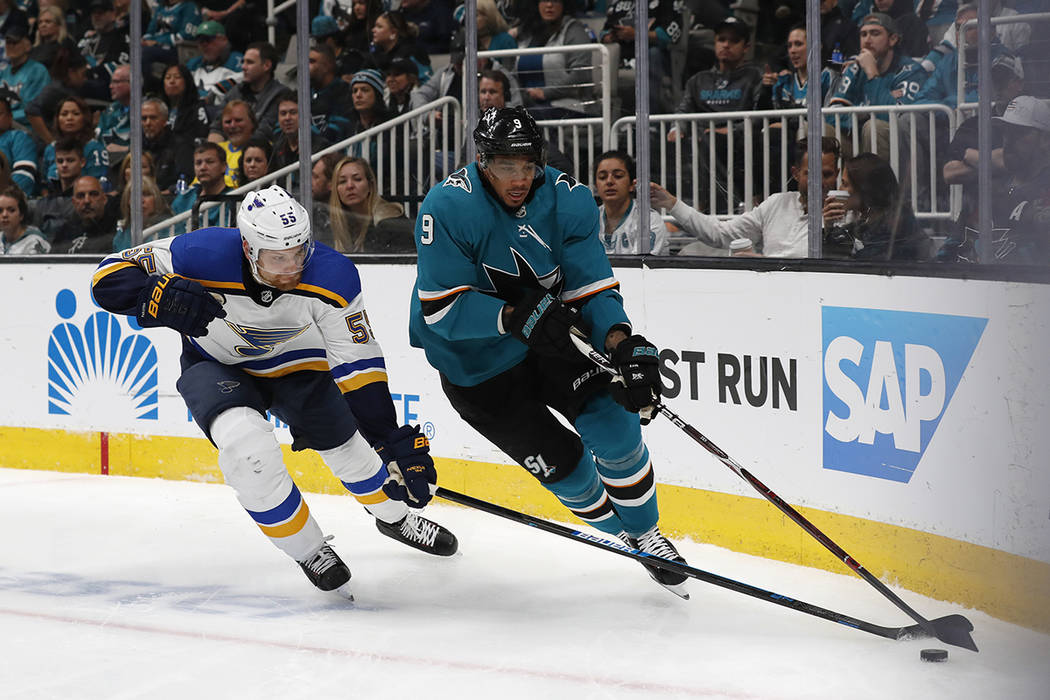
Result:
[[542, 322], [179, 303], [638, 387], [407, 454]]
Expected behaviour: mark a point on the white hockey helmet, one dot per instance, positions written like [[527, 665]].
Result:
[[271, 219]]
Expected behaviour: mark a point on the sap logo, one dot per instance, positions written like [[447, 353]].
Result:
[[889, 377], [99, 369]]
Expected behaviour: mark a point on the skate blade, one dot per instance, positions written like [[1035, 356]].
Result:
[[345, 592], [678, 589]]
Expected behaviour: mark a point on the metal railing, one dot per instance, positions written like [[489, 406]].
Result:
[[960, 77], [678, 160], [422, 134]]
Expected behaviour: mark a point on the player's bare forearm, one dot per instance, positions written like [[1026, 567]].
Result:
[[614, 338]]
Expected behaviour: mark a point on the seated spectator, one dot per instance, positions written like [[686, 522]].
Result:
[[493, 34], [393, 37], [402, 79], [51, 211], [433, 18], [448, 82], [1019, 217], [94, 221], [254, 161], [154, 210], [104, 45], [51, 35], [665, 29], [209, 170], [244, 20], [321, 186], [778, 227], [258, 88], [882, 226], [1014, 36], [187, 116], [73, 120], [69, 75], [325, 30], [147, 164], [23, 77], [880, 75], [172, 156], [357, 27], [17, 237], [914, 34], [11, 16], [494, 90], [614, 183], [838, 33], [557, 85], [787, 89], [218, 67], [172, 21], [330, 102], [286, 145], [18, 147], [238, 126], [962, 158], [367, 95], [114, 125], [362, 221]]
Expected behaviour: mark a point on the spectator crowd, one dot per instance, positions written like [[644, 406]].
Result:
[[220, 111]]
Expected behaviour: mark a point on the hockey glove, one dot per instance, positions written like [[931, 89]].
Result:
[[179, 303], [542, 322], [638, 387], [407, 454]]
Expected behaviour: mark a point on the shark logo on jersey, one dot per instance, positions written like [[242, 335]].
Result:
[[889, 378], [509, 285], [525, 230], [569, 182], [262, 340], [98, 368], [458, 179]]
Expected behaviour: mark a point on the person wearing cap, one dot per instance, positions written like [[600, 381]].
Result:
[[878, 75], [325, 30], [366, 91], [105, 44], [22, 76], [218, 67], [962, 159], [401, 80], [330, 102], [1021, 216], [665, 29]]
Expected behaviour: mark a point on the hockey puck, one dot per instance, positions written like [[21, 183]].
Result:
[[934, 654]]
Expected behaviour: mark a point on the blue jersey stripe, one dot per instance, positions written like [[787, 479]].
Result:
[[358, 365], [369, 485], [282, 512]]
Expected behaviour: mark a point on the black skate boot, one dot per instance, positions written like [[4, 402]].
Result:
[[327, 571], [416, 531], [654, 543]]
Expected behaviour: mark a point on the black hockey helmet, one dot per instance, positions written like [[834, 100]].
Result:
[[510, 131]]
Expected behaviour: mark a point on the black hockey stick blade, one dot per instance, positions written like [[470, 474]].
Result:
[[896, 633], [954, 633]]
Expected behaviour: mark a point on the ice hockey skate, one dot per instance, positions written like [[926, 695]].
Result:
[[653, 542], [416, 531], [327, 571]]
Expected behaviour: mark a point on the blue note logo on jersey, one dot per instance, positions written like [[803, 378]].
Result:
[[889, 378], [262, 340], [99, 368]]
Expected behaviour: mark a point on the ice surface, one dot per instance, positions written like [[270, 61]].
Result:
[[117, 587]]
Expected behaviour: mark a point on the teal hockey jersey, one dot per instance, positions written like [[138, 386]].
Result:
[[475, 256]]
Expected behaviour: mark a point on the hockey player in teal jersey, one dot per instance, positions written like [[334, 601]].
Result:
[[290, 337], [508, 260]]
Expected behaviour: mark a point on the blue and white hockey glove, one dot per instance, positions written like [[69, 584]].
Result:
[[179, 303], [407, 454], [542, 322], [638, 388]]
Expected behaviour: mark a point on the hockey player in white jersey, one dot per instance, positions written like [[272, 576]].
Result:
[[273, 321]]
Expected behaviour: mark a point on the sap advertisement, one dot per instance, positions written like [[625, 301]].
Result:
[[916, 402]]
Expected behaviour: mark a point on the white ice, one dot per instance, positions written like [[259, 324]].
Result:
[[121, 588]]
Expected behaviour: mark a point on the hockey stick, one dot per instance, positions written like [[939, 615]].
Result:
[[899, 633], [954, 629]]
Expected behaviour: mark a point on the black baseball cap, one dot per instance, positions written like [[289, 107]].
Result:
[[16, 32], [100, 5], [401, 66], [736, 25]]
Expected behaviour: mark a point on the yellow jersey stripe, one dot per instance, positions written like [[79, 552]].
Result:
[[289, 528], [359, 380]]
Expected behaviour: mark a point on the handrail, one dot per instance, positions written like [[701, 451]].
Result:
[[960, 68], [365, 136], [606, 68]]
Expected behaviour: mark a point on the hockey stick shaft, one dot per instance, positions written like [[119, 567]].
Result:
[[948, 634], [912, 632]]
